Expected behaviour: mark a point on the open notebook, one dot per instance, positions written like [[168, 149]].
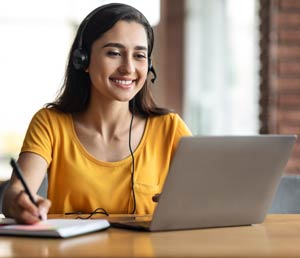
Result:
[[57, 228], [217, 181]]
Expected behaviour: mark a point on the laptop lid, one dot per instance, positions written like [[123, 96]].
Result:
[[217, 181]]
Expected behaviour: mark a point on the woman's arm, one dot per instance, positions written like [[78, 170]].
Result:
[[16, 203]]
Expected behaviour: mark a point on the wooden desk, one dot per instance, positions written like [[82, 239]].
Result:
[[278, 236]]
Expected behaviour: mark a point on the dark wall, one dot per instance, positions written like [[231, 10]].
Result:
[[280, 71], [168, 55]]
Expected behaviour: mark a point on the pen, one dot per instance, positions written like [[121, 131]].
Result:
[[19, 175]]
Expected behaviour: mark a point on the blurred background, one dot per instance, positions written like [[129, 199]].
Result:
[[228, 67]]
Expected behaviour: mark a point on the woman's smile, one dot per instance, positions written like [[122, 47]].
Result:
[[123, 83]]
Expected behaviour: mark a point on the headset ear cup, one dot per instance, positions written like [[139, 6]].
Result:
[[80, 59]]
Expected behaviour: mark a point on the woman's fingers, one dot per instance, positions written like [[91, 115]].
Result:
[[23, 201], [27, 212], [24, 211], [155, 198], [25, 217], [43, 206]]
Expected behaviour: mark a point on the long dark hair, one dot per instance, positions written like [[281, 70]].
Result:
[[74, 94]]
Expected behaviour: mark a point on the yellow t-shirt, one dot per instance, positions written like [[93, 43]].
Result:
[[79, 182]]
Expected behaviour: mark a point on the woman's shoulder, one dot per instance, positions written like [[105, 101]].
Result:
[[49, 113], [170, 121], [49, 117], [167, 118]]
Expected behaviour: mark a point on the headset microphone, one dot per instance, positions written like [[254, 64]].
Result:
[[151, 69]]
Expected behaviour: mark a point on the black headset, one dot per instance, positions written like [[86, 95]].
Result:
[[80, 57]]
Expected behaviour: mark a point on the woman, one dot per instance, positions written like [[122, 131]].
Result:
[[103, 141]]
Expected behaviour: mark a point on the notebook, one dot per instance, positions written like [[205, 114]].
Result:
[[219, 181], [56, 228]]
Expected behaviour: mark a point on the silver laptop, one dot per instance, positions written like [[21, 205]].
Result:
[[219, 181]]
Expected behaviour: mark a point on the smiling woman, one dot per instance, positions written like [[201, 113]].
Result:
[[104, 141], [33, 62]]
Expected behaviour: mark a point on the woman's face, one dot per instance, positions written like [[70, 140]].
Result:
[[119, 62]]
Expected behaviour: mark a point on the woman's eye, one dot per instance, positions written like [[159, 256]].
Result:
[[113, 53], [141, 56]]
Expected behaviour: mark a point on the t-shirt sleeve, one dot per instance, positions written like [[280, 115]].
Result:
[[181, 129], [38, 138]]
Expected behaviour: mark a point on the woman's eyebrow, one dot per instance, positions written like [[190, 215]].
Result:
[[118, 45]]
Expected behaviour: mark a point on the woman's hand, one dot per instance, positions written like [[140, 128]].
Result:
[[155, 197], [24, 211], [16, 203]]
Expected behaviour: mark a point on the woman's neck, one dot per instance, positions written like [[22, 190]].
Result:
[[107, 119]]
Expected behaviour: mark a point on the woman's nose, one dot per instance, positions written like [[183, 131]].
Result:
[[127, 66]]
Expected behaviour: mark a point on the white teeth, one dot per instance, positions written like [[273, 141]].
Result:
[[123, 82]]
